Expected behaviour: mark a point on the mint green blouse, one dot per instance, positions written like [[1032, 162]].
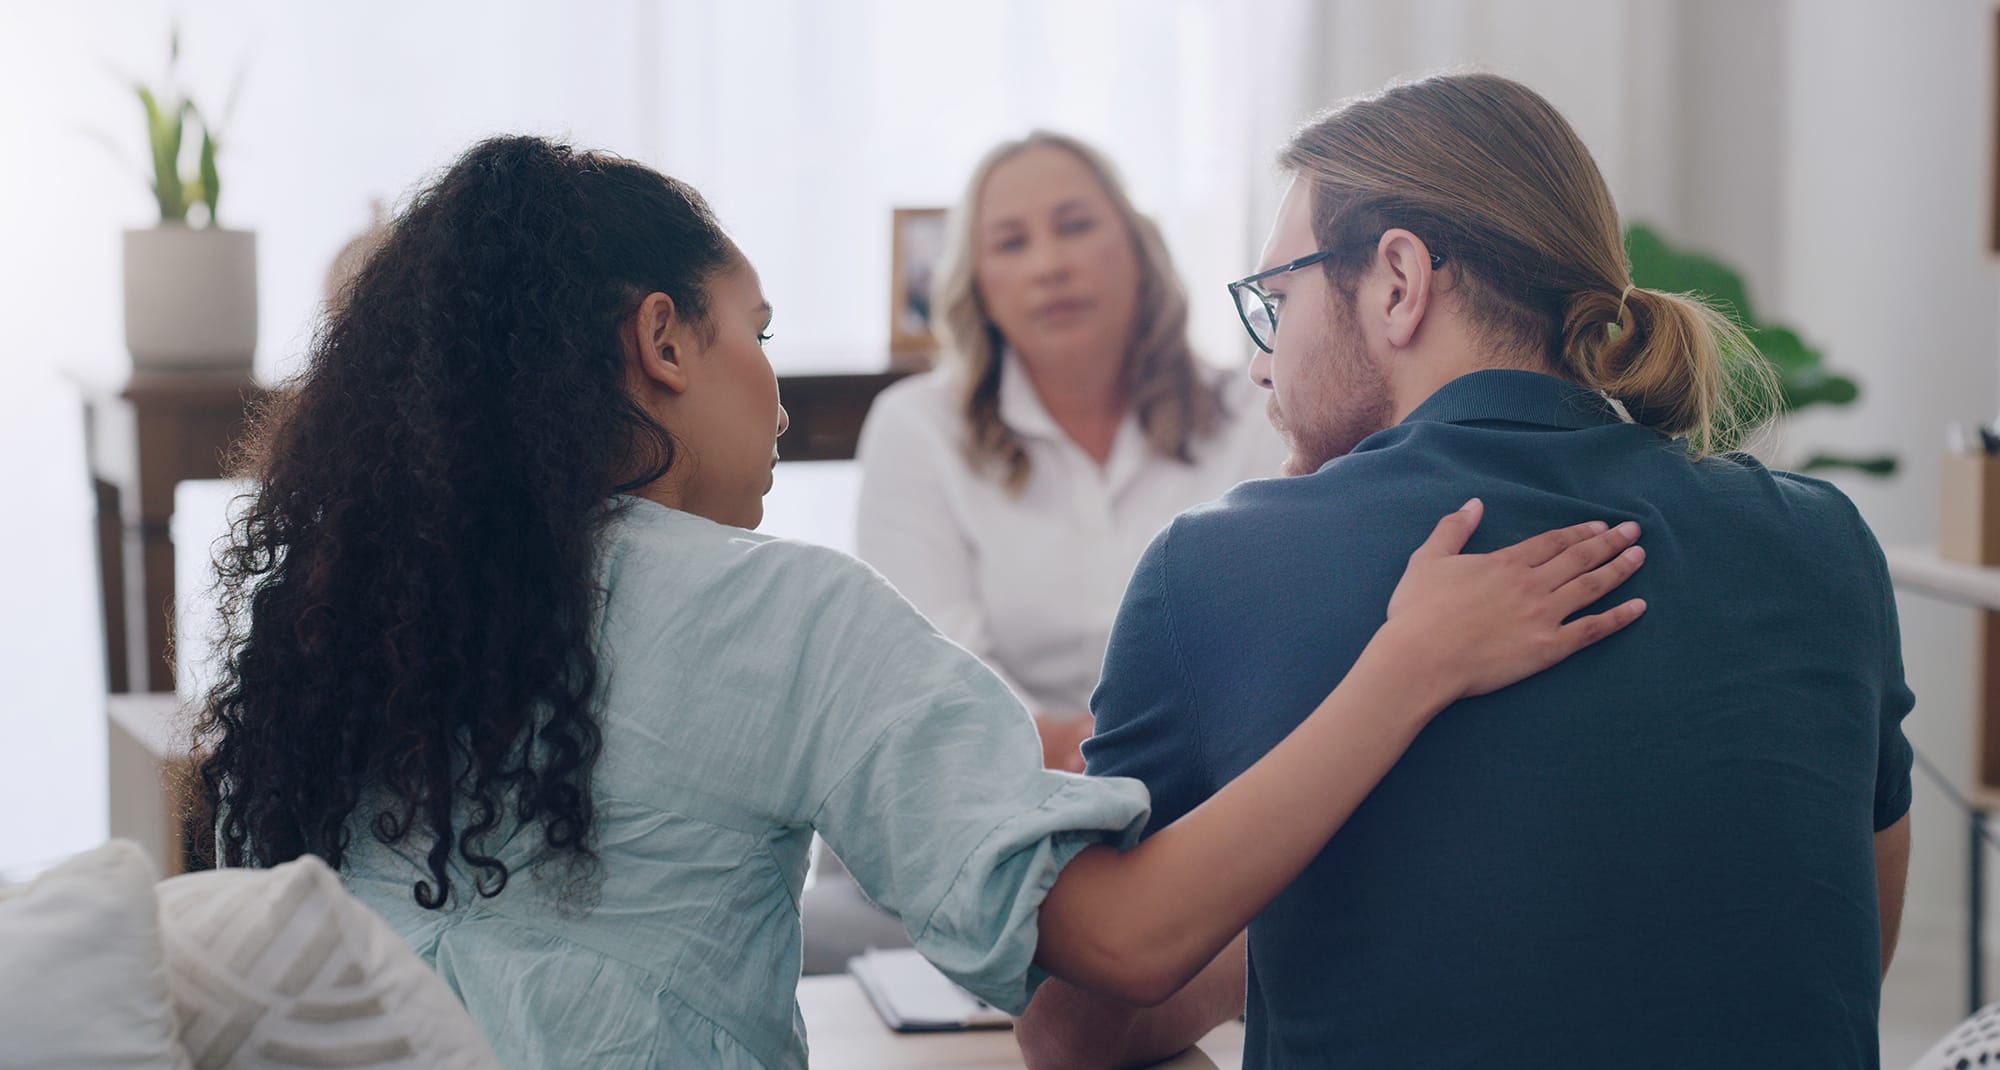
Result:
[[757, 690]]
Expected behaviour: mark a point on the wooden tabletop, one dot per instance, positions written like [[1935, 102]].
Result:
[[846, 1034]]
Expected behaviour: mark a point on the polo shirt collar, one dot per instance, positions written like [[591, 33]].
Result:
[[1022, 410], [1521, 397], [1020, 407]]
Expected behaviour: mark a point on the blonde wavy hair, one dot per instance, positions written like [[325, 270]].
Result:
[[1176, 399], [1489, 174]]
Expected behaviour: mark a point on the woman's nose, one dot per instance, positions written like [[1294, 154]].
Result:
[[1050, 259], [784, 421]]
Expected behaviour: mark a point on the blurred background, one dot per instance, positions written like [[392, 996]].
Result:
[[1836, 157]]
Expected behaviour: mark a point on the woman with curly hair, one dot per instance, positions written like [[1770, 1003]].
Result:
[[501, 651]]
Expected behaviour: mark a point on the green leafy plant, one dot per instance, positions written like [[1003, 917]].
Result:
[[172, 123], [1803, 377]]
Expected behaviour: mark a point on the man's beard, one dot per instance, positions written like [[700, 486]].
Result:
[[1348, 400]]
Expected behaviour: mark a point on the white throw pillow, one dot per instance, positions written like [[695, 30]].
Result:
[[82, 983], [283, 968]]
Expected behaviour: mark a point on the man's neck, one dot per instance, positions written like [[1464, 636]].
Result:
[[1425, 374]]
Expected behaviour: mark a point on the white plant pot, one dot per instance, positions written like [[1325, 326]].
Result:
[[190, 297]]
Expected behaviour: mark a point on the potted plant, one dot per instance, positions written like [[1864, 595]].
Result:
[[190, 283], [1803, 378]]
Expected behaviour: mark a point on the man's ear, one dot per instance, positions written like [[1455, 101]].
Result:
[[657, 343], [1406, 260]]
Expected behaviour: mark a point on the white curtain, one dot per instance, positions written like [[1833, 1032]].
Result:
[[1608, 65], [806, 124]]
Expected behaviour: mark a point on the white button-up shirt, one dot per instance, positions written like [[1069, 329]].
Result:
[[1032, 584]]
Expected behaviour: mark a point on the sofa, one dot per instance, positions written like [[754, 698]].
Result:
[[109, 968]]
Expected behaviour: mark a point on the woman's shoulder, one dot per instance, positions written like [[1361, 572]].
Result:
[[936, 388], [926, 402], [640, 527], [650, 543]]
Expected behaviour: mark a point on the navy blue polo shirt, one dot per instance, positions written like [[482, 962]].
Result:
[[1658, 853]]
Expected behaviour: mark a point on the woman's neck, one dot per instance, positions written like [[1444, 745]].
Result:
[[671, 490], [1083, 396]]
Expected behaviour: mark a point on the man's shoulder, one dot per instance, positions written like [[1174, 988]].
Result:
[[1805, 490], [1360, 496], [1243, 518], [1803, 506], [1323, 538]]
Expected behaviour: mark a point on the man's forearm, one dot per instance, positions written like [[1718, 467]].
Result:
[[1892, 873], [1067, 1028]]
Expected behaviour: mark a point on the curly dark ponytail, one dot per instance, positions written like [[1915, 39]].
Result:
[[409, 599]]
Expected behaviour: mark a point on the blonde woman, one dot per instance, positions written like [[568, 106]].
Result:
[[1009, 493]]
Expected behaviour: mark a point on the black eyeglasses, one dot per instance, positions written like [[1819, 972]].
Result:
[[1259, 310]]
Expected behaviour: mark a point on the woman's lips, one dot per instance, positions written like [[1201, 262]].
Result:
[[1063, 311]]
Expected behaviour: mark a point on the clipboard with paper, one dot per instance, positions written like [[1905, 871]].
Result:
[[913, 997]]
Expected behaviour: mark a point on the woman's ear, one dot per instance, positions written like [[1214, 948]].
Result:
[[656, 343]]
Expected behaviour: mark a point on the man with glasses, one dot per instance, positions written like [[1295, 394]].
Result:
[[1685, 847]]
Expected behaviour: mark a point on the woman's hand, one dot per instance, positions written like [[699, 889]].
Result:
[[1479, 622]]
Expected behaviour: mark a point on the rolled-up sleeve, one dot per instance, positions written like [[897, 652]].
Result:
[[939, 805], [964, 847], [984, 930]]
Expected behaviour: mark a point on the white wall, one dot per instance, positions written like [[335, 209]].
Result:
[[51, 656], [1604, 63], [52, 681], [1729, 136], [1888, 141]]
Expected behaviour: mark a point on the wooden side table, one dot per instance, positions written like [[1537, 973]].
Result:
[[143, 438], [161, 428]]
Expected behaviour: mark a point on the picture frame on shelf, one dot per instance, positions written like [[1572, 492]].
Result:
[[917, 244]]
